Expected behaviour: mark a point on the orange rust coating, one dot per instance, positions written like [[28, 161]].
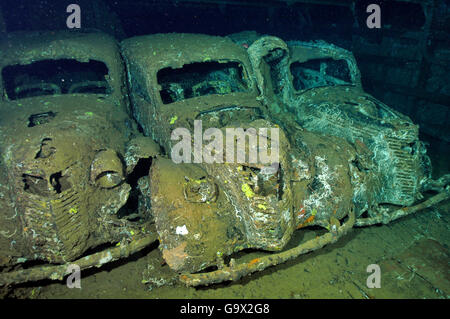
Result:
[[254, 261], [309, 220]]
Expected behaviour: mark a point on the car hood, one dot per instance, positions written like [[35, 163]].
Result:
[[65, 107], [351, 100]]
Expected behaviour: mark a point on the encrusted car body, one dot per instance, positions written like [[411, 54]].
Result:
[[175, 80], [65, 146], [320, 85]]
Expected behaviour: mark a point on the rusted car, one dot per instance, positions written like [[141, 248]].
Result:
[[204, 212], [320, 85], [69, 153]]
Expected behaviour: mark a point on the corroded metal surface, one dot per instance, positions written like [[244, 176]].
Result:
[[63, 178], [396, 155]]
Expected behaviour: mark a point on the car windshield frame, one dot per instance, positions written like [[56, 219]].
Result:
[[40, 84], [249, 87], [349, 63]]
